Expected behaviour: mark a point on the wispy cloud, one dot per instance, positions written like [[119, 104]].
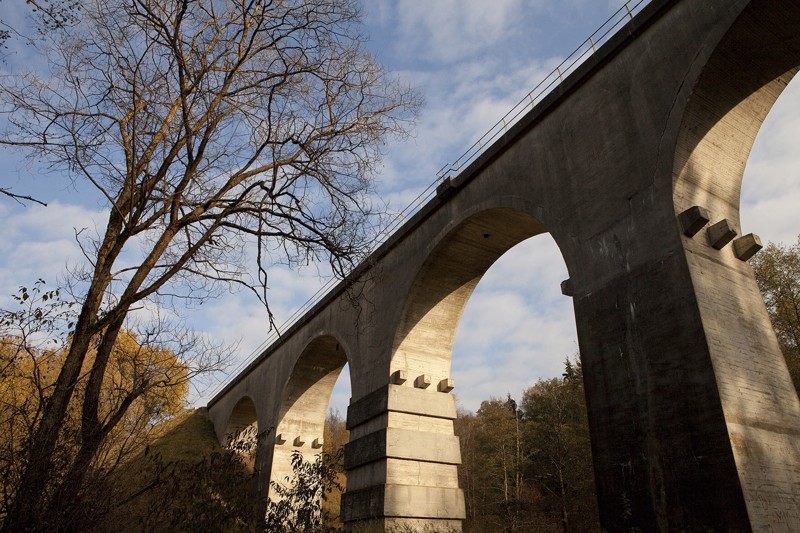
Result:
[[39, 242], [771, 186], [448, 30]]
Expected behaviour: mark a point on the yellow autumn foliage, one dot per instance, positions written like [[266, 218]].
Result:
[[152, 379]]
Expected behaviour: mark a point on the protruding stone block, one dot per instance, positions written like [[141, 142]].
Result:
[[720, 234], [411, 444], [427, 503], [423, 381], [446, 188], [693, 220], [424, 502], [363, 504], [398, 377], [446, 385], [298, 441], [566, 287], [317, 443], [280, 439], [746, 247], [401, 400]]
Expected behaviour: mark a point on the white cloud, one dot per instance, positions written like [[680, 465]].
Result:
[[461, 107], [39, 242], [771, 186], [447, 30]]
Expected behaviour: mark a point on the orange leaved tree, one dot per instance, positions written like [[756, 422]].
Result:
[[143, 384]]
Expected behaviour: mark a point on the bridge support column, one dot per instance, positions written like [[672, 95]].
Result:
[[402, 460], [695, 423]]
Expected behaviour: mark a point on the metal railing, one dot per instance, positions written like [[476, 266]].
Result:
[[526, 104]]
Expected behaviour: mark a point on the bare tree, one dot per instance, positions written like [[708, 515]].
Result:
[[207, 127]]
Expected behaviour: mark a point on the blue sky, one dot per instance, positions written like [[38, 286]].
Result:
[[473, 60]]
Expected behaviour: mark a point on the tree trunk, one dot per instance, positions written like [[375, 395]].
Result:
[[25, 511], [563, 491]]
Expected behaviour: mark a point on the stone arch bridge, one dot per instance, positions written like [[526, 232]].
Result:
[[634, 166]]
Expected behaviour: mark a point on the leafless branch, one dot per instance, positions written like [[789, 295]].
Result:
[[20, 198]]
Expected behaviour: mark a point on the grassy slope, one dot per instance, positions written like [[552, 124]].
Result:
[[199, 486], [187, 437], [193, 483]]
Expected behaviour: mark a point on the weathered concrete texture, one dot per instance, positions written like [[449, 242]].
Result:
[[759, 404], [402, 457], [398, 501], [628, 165], [400, 399]]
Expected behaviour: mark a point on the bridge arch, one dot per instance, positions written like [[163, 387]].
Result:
[[419, 453], [734, 89], [304, 403], [691, 418], [241, 431], [461, 255]]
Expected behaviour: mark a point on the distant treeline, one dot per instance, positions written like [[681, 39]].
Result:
[[527, 466]]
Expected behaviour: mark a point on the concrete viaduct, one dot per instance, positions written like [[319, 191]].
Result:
[[634, 166]]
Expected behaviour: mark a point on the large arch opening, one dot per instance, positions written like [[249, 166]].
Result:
[[301, 423], [440, 323], [241, 432], [768, 207], [518, 319], [424, 342], [522, 422]]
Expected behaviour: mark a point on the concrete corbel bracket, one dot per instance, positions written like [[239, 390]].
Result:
[[720, 234], [298, 441], [398, 377], [422, 382], [317, 444], [693, 220], [566, 288], [746, 247], [446, 385], [280, 439]]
